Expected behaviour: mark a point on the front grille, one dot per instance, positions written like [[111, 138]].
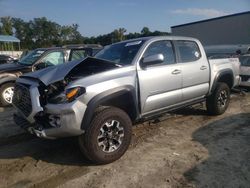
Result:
[[244, 78], [22, 99]]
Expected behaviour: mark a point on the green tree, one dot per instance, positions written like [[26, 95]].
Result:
[[145, 31], [41, 32], [118, 34], [44, 32], [6, 28], [71, 35], [23, 32], [75, 34]]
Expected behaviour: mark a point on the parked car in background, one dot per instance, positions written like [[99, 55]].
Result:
[[245, 70], [36, 60], [91, 48], [98, 99], [6, 59], [25, 52]]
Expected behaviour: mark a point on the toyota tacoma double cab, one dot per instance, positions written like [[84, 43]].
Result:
[[38, 59], [98, 99]]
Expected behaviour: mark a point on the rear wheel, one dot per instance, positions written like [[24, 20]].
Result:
[[218, 102], [6, 94], [108, 136]]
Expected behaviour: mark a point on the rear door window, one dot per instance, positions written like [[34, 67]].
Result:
[[188, 51]]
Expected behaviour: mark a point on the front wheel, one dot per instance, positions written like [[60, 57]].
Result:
[[6, 94], [107, 137], [218, 102]]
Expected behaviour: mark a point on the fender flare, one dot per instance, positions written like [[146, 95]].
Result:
[[219, 75], [7, 78], [105, 96]]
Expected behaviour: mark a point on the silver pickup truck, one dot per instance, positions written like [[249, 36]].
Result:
[[98, 99]]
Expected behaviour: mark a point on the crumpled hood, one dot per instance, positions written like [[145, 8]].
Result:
[[87, 66]]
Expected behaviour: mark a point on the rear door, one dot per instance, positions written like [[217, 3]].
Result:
[[160, 85], [195, 70]]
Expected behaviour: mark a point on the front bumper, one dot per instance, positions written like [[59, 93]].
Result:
[[53, 120]]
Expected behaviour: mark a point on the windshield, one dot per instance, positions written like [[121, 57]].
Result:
[[31, 57], [120, 53], [245, 60]]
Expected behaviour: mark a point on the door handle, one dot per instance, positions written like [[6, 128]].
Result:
[[176, 71], [203, 67]]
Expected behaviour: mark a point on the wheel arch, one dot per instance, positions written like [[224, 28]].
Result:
[[7, 79], [122, 97], [225, 76]]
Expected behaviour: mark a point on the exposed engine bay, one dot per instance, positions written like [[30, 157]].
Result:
[[54, 80]]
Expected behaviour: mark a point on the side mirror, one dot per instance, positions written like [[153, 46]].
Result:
[[152, 60]]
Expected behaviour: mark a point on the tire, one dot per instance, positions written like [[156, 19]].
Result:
[[6, 94], [218, 102], [107, 137]]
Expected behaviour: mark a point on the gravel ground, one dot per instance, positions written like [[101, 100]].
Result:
[[184, 149]]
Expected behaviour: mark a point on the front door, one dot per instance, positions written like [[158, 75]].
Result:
[[160, 85]]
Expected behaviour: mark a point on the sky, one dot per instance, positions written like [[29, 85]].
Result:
[[96, 17]]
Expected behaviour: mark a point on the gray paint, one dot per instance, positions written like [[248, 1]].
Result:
[[159, 87], [232, 29]]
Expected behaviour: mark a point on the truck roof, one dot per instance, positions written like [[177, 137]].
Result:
[[167, 37]]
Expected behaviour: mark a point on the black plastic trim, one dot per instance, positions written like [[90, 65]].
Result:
[[101, 98], [7, 79], [164, 111], [219, 75]]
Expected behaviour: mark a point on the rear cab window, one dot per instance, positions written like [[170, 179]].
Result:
[[188, 51]]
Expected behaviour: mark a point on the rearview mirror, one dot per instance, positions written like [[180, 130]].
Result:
[[152, 60]]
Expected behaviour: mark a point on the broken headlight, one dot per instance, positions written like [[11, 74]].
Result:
[[68, 95]]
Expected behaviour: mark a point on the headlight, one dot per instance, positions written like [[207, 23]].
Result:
[[68, 95], [73, 93]]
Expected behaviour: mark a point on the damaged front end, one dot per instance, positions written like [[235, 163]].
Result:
[[57, 94], [49, 112], [48, 105]]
